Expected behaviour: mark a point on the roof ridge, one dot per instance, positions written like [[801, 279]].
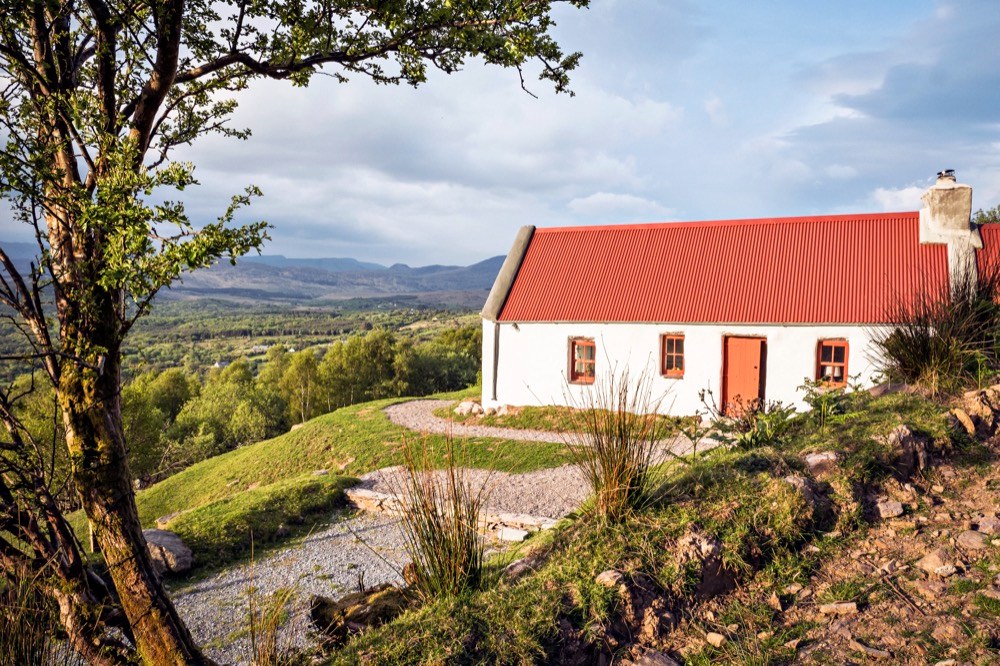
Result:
[[758, 221]]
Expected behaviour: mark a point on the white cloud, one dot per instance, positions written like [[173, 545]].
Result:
[[903, 198], [616, 206]]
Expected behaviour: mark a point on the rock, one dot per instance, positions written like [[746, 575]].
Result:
[[839, 608], [464, 408], [821, 464], [282, 531], [503, 410], [774, 601], [655, 658], [512, 534], [972, 540], [929, 589], [982, 406], [889, 509], [657, 621], [168, 552], [356, 612], [521, 567], [819, 503], [610, 579], [946, 662], [989, 525], [947, 631], [946, 571], [714, 639], [321, 472], [490, 411], [794, 588], [477, 409], [963, 419], [869, 650], [934, 560], [705, 553], [910, 452]]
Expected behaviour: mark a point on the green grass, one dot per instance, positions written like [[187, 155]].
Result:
[[263, 480], [518, 623], [225, 530], [550, 419]]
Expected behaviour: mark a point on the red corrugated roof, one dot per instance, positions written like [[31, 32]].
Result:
[[831, 269]]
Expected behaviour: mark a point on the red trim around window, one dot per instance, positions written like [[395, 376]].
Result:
[[582, 357], [672, 355], [831, 362]]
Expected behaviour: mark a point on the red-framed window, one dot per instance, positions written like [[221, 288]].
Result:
[[672, 355], [831, 362], [582, 354]]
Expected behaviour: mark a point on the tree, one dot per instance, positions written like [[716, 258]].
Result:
[[299, 386], [96, 94]]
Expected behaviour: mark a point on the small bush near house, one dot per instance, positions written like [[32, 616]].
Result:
[[751, 424], [440, 523], [616, 434], [945, 338]]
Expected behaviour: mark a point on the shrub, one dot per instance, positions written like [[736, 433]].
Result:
[[943, 339], [825, 400], [751, 424], [440, 523], [618, 434]]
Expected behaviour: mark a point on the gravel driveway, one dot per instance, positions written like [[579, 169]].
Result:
[[328, 562]]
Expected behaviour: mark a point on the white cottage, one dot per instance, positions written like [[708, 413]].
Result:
[[746, 308]]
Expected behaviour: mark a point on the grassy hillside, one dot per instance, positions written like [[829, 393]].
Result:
[[270, 484]]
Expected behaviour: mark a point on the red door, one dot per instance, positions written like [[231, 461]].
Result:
[[744, 363]]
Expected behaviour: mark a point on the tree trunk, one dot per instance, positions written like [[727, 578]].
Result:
[[90, 400]]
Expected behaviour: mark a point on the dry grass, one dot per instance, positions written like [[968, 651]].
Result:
[[619, 433], [29, 626], [440, 522]]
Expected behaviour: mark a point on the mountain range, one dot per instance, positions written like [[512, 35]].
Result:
[[319, 281]]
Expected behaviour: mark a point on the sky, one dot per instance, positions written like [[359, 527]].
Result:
[[683, 111]]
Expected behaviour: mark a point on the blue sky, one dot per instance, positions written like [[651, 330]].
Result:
[[683, 111]]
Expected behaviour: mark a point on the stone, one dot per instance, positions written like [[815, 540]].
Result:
[[714, 639], [512, 534], [889, 509], [947, 631], [168, 552], [657, 621], [503, 410], [910, 452], [706, 551], [989, 525], [464, 408], [819, 503], [655, 658], [929, 589], [490, 411], [934, 560], [357, 612], [774, 601], [822, 463], [839, 608], [320, 472], [946, 571], [477, 409], [164, 521], [869, 650], [522, 567], [972, 540], [610, 579], [963, 419], [946, 662]]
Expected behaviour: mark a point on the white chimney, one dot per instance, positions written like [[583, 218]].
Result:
[[946, 218]]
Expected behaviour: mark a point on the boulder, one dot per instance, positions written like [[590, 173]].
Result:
[[909, 452], [703, 553], [972, 540], [822, 463], [357, 612], [168, 552], [982, 406]]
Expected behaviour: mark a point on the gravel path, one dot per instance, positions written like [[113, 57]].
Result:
[[419, 415], [550, 493], [328, 562]]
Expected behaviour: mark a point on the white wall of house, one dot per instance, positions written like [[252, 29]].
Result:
[[533, 359]]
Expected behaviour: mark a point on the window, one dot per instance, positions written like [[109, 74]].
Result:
[[581, 360], [672, 355], [831, 362]]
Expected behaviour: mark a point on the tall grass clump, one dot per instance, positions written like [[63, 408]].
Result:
[[29, 626], [945, 338], [617, 434], [440, 521]]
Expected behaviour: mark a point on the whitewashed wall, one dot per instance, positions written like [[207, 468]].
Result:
[[533, 359]]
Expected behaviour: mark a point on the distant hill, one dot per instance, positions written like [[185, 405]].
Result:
[[311, 281], [334, 264]]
